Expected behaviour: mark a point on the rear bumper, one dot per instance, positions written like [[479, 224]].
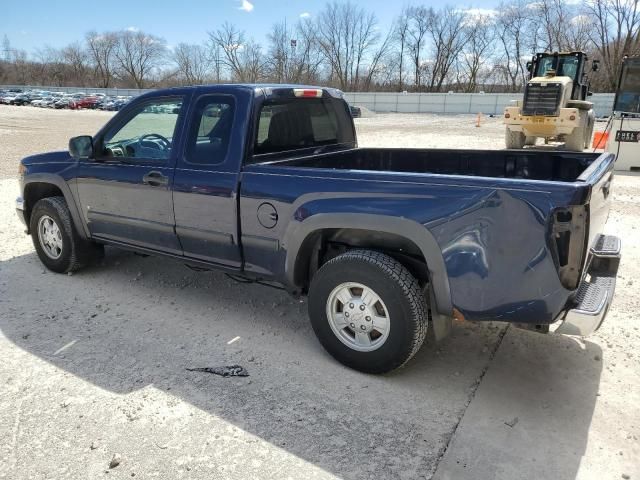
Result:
[[542, 126], [595, 293]]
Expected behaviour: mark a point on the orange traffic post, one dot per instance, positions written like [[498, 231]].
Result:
[[478, 119]]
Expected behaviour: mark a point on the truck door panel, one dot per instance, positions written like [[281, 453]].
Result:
[[204, 189], [125, 192]]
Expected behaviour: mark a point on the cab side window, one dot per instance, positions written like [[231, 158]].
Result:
[[210, 131], [147, 134]]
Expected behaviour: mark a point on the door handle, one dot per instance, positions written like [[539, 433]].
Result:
[[155, 179]]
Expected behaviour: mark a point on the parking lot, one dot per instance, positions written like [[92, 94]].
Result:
[[94, 363]]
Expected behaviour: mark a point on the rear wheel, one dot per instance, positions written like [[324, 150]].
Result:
[[591, 121], [368, 311], [55, 238], [514, 139]]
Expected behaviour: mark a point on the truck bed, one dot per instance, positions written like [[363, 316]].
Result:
[[522, 164]]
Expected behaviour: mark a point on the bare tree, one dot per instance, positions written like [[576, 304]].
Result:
[[100, 48], [76, 60], [447, 32], [401, 36], [194, 62], [346, 35], [137, 54], [512, 25], [478, 49], [243, 58], [292, 53], [616, 32], [419, 25]]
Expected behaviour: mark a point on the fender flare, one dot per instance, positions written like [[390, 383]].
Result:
[[59, 182], [297, 232]]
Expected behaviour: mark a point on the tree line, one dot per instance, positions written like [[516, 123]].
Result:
[[426, 49]]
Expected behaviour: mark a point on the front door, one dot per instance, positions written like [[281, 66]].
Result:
[[125, 190]]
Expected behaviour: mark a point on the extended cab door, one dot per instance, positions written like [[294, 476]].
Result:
[[206, 179], [125, 191]]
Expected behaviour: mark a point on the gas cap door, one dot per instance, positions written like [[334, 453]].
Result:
[[267, 215]]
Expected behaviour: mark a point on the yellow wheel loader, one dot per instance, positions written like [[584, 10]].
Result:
[[554, 105]]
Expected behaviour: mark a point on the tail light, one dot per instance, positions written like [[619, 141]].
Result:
[[308, 92], [569, 238]]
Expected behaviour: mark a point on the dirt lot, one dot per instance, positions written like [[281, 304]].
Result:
[[93, 365]]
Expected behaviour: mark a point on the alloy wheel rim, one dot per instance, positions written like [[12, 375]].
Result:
[[50, 237], [358, 317]]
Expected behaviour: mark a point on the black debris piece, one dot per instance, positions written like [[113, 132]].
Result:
[[226, 371]]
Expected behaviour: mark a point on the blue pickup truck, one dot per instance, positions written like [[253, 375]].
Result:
[[266, 182]]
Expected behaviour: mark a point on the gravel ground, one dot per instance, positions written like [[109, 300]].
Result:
[[94, 364]]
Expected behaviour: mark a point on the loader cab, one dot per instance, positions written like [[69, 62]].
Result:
[[570, 64], [627, 100]]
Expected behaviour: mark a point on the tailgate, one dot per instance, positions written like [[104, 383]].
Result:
[[599, 176]]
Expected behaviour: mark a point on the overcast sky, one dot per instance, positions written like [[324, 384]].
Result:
[[31, 24]]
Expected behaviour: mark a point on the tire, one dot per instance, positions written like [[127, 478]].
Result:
[[514, 139], [401, 303], [575, 140], [73, 252], [591, 121]]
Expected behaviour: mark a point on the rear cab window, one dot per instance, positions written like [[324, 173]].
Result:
[[289, 126]]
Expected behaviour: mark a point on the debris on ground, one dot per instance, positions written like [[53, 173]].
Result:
[[512, 423], [226, 371], [115, 461]]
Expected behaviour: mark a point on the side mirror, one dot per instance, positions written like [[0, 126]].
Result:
[[589, 94], [81, 147], [595, 65], [529, 65]]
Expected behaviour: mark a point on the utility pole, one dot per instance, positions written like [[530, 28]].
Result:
[[6, 48]]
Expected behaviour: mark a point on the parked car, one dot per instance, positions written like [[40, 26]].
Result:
[[84, 102], [9, 98], [356, 112], [63, 102], [386, 242]]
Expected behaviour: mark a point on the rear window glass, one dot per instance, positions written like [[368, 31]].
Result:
[[302, 123]]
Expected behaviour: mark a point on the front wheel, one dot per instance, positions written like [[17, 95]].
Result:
[[55, 239], [368, 311], [575, 140]]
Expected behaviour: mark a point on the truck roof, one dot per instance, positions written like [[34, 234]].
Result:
[[259, 89]]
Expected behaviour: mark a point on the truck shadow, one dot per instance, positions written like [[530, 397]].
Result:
[[137, 323]]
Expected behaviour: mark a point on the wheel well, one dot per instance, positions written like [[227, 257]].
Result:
[[37, 191], [322, 245]]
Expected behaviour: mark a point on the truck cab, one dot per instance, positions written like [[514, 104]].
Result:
[[554, 105]]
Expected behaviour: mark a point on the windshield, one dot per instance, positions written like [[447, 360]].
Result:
[[567, 66]]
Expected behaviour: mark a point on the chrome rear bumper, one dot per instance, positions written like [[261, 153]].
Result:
[[595, 293]]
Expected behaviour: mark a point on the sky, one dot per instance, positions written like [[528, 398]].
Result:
[[32, 24]]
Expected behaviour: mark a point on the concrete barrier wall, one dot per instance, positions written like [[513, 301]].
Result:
[[487, 103], [382, 102]]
